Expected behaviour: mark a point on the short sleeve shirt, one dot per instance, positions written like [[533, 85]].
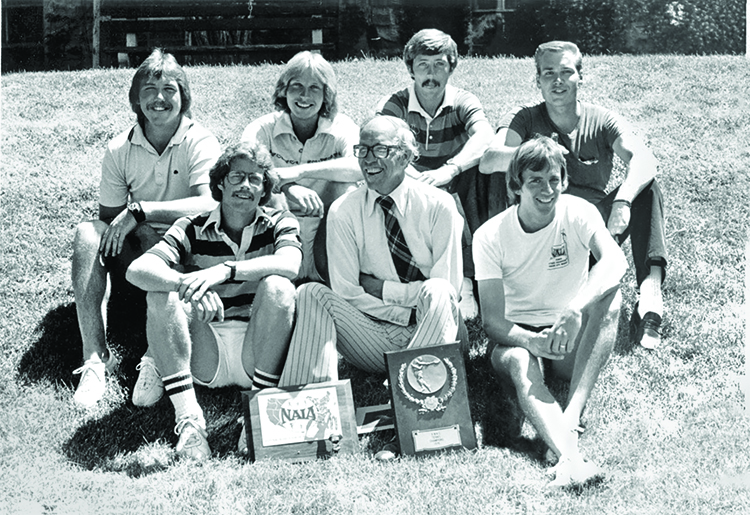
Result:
[[440, 137], [541, 271], [333, 139], [590, 152], [198, 242], [133, 171]]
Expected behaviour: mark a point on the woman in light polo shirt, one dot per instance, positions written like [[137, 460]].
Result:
[[311, 146]]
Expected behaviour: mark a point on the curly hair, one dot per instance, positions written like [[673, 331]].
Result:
[[255, 153]]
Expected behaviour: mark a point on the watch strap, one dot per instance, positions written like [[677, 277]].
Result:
[[137, 211]]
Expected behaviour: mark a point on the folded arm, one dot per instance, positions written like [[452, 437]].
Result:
[[603, 278], [504, 332], [342, 169], [480, 136]]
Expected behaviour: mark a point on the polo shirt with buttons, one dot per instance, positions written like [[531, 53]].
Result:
[[440, 137], [133, 171]]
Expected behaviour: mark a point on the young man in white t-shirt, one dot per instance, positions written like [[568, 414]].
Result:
[[540, 300]]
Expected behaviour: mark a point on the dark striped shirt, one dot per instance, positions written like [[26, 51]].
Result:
[[198, 242], [443, 136]]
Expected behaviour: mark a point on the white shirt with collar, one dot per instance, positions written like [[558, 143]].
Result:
[[356, 242], [334, 138], [132, 170]]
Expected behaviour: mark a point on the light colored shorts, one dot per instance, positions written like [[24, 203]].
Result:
[[230, 337]]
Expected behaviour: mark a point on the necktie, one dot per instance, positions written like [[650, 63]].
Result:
[[406, 269]]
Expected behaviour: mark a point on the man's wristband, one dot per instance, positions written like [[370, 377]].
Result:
[[136, 210], [622, 201]]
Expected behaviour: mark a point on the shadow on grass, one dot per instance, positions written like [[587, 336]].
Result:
[[56, 352], [140, 441]]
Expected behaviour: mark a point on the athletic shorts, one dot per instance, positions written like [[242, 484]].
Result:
[[535, 329], [230, 337]]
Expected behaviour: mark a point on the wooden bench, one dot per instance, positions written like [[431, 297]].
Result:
[[212, 31]]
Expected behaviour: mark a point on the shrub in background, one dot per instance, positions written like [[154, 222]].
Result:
[[684, 26], [615, 26]]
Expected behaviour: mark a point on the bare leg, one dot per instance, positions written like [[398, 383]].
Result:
[[270, 327], [91, 289], [522, 368], [593, 347], [168, 327]]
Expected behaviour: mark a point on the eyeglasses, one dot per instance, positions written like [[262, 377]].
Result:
[[236, 178], [379, 151]]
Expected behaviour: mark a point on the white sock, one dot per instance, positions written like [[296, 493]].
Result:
[[263, 379], [179, 388], [651, 297]]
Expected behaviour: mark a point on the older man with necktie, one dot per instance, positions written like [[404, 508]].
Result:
[[394, 254]]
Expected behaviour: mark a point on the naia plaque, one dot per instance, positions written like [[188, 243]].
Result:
[[299, 423]]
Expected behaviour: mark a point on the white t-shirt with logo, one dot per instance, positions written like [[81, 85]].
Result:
[[541, 271]]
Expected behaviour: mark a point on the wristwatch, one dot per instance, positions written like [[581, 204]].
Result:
[[233, 270], [137, 211]]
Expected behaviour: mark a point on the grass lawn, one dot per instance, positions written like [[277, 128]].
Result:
[[670, 426]]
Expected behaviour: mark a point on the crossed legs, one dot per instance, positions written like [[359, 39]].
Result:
[[555, 424], [327, 323]]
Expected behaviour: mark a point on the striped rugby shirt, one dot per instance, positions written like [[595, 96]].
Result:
[[198, 242], [442, 137]]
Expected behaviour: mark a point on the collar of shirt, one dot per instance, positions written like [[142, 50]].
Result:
[[139, 138], [399, 196], [259, 224], [448, 101], [284, 125]]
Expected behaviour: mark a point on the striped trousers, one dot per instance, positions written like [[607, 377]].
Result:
[[326, 323]]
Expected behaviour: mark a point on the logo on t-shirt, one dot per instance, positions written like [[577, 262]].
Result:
[[559, 254]]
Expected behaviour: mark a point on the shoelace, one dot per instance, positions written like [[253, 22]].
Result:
[[151, 365], [183, 422], [84, 368]]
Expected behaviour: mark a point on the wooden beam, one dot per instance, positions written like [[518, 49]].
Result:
[[219, 49], [179, 24], [96, 36]]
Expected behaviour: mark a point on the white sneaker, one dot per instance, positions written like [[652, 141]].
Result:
[[92, 385], [192, 443], [575, 471], [468, 304], [149, 387]]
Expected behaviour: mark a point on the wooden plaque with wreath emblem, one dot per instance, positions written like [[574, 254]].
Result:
[[429, 398]]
